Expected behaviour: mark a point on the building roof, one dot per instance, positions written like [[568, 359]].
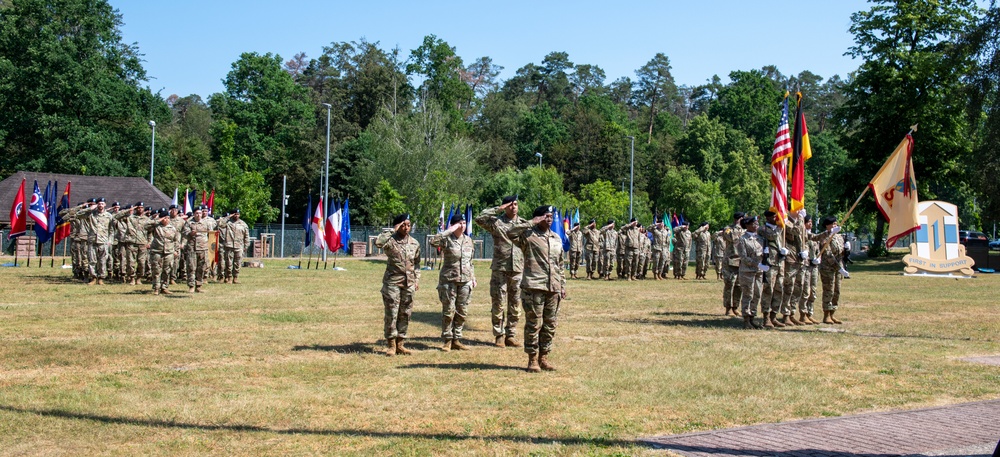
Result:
[[113, 188]]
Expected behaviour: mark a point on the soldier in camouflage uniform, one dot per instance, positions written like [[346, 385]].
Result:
[[831, 272], [682, 250], [542, 286], [620, 255], [774, 277], [399, 283], [142, 267], [629, 238], [164, 244], [220, 257], [97, 223], [194, 237], [750, 249], [178, 222], [609, 245], [117, 245], [645, 251], [237, 239], [702, 250], [456, 281], [505, 270], [731, 292], [718, 252], [212, 254], [128, 229], [593, 238], [661, 250], [795, 264], [575, 249], [78, 239], [810, 277]]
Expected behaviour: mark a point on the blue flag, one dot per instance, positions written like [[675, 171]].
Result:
[[345, 228], [50, 201], [40, 214], [307, 222], [468, 220]]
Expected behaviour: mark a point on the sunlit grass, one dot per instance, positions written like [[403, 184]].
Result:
[[290, 363]]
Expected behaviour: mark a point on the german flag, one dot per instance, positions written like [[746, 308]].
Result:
[[801, 152]]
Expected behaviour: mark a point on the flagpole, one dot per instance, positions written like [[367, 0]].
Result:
[[302, 249]]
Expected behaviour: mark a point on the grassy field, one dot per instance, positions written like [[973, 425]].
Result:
[[290, 363]]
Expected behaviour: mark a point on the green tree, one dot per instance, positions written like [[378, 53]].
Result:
[[386, 204], [656, 89], [442, 69], [599, 200], [751, 104], [911, 73], [70, 91], [983, 43]]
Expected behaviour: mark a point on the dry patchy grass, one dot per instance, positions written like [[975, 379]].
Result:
[[290, 363]]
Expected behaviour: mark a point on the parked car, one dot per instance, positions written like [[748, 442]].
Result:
[[995, 245], [972, 238]]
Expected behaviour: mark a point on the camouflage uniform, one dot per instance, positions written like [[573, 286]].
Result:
[[399, 283], [682, 251], [645, 251], [178, 223], [164, 243], [829, 272], [620, 256], [97, 224], [505, 276], [128, 228], [731, 292], [236, 241], [751, 251], [454, 282], [629, 237], [142, 267], [702, 250], [661, 250], [195, 240], [575, 249], [718, 252], [593, 239], [810, 278], [774, 278], [78, 245], [798, 255], [541, 286]]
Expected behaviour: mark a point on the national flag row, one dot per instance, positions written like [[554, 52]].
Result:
[[328, 226], [190, 196], [43, 210]]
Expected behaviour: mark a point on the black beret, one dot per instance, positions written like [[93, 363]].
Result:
[[632, 220], [116, 204], [593, 221], [399, 219], [140, 204], [808, 218], [542, 210], [458, 217], [189, 214], [235, 211], [770, 213], [610, 221], [508, 199], [163, 212], [747, 220], [576, 224], [828, 220], [703, 224], [101, 200], [738, 215], [173, 206]]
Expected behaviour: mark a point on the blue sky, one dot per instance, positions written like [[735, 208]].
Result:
[[189, 46]]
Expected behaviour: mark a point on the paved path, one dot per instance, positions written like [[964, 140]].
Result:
[[968, 429]]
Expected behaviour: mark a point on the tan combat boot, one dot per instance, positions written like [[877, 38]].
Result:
[[499, 341], [236, 281], [736, 311], [533, 364], [543, 363], [729, 311], [826, 317], [748, 322], [446, 347], [156, 291], [190, 290], [791, 318], [390, 347], [803, 318], [834, 318], [165, 291], [457, 345], [774, 321], [511, 342], [100, 282], [197, 289], [767, 322], [400, 348]]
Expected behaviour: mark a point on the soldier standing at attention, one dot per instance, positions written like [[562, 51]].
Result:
[[731, 291], [620, 256], [400, 281], [810, 276], [682, 250], [195, 237], [575, 249], [164, 244], [718, 252], [142, 269], [830, 269], [609, 242], [774, 278], [456, 281], [237, 240], [795, 262], [542, 286], [750, 249], [593, 238], [702, 250], [505, 270], [220, 261], [97, 223], [630, 254]]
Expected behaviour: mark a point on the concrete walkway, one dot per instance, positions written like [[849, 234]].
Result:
[[968, 429]]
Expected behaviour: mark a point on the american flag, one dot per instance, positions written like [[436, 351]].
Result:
[[782, 151]]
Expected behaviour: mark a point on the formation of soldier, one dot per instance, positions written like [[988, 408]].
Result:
[[133, 244]]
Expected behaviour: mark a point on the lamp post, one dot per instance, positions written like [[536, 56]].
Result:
[[631, 175], [326, 179], [152, 152], [539, 155]]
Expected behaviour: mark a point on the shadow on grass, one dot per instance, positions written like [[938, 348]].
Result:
[[353, 348], [432, 318], [462, 366], [49, 279], [719, 322], [159, 423]]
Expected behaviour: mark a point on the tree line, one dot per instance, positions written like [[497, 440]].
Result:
[[410, 129]]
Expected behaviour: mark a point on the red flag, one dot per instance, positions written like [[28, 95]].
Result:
[[782, 150], [18, 214], [318, 225], [211, 201], [62, 226]]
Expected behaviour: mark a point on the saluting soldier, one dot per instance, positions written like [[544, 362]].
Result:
[[609, 245], [682, 250], [97, 223], [661, 250], [195, 237], [177, 220], [505, 270], [731, 292], [400, 281], [575, 249], [702, 250], [718, 252], [629, 237], [456, 281], [237, 240], [774, 278], [592, 236], [795, 261], [142, 267], [542, 286], [78, 239], [128, 230], [117, 245], [831, 272], [164, 244], [645, 251], [750, 249]]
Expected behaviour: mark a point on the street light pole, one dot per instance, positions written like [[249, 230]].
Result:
[[539, 155], [152, 152], [631, 176], [326, 176]]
